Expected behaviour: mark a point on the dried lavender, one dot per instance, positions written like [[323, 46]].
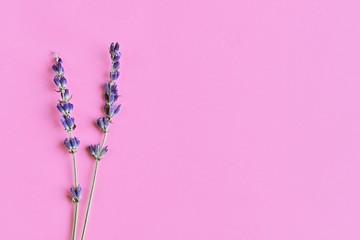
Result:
[[110, 109], [75, 194], [72, 144]]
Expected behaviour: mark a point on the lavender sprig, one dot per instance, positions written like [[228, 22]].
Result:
[[72, 144], [110, 109]]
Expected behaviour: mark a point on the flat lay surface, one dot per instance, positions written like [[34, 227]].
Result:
[[240, 119]]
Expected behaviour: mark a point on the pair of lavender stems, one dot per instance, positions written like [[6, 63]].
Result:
[[72, 143]]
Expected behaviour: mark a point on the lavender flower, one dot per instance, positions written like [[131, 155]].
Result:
[[111, 88], [72, 144], [115, 57], [60, 81], [58, 68], [65, 107], [68, 123], [111, 96], [103, 123], [76, 194], [111, 111], [97, 151]]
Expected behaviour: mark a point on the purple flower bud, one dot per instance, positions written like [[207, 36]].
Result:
[[55, 68], [92, 150], [116, 53], [67, 144], [68, 123], [117, 46], [65, 108], [77, 141], [57, 82], [97, 152], [60, 108], [76, 194], [79, 191], [114, 88], [106, 96], [112, 47], [111, 111], [111, 98], [114, 75], [63, 81], [68, 107], [107, 87], [60, 68], [116, 65], [116, 58], [111, 88], [72, 144], [100, 123], [103, 151], [106, 122], [60, 82], [72, 190], [103, 123], [117, 110]]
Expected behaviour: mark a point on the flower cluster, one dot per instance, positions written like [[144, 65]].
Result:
[[115, 57], [97, 152], [75, 194], [111, 95], [64, 106], [111, 92], [103, 123], [72, 144], [68, 123]]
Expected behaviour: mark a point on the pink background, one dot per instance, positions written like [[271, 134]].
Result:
[[241, 119]]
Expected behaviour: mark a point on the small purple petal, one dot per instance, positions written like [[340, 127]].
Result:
[[116, 65], [111, 110], [104, 151], [57, 81], [78, 191], [117, 110], [55, 68], [100, 123], [112, 47], [67, 144], [70, 122], [117, 46], [63, 81], [73, 193], [60, 108]]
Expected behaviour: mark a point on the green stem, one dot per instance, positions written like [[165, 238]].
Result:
[[92, 190], [76, 210], [75, 221], [75, 170], [76, 204], [90, 198], [103, 140]]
